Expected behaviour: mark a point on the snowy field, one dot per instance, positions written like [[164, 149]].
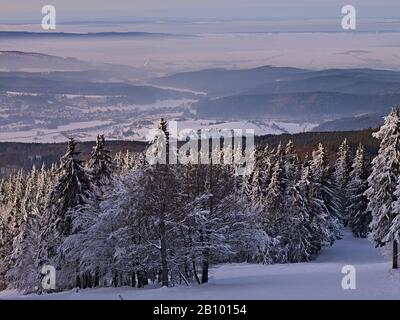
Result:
[[320, 279], [132, 130]]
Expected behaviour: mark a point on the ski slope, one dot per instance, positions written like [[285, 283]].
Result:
[[320, 279]]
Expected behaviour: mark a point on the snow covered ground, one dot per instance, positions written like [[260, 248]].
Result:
[[320, 279], [132, 130]]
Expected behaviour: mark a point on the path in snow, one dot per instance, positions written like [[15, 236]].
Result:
[[320, 279]]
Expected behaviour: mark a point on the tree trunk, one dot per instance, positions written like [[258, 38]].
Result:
[[195, 272], [204, 274], [395, 254], [115, 279], [140, 280], [78, 282], [96, 278], [164, 264], [204, 239], [133, 279]]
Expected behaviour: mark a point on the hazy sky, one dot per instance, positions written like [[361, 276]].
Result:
[[116, 9]]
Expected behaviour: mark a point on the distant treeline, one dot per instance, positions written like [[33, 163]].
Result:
[[14, 156]]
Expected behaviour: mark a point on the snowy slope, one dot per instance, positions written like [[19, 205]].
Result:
[[320, 279]]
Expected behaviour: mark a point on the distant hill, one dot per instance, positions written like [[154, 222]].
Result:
[[18, 61], [307, 106], [345, 81], [290, 93], [352, 123], [222, 82], [60, 83]]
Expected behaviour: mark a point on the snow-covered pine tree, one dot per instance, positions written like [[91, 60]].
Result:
[[6, 190], [89, 249], [274, 222], [291, 164], [341, 178], [100, 163], [12, 219], [252, 186], [118, 160], [72, 185], [29, 199], [359, 217], [383, 182], [314, 206], [52, 175], [43, 186], [279, 152], [23, 274], [267, 165], [24, 247], [85, 214], [394, 230], [87, 265], [5, 243], [3, 190], [16, 215], [299, 232], [324, 190], [296, 234]]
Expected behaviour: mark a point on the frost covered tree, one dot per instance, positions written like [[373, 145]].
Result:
[[12, 219], [299, 232], [358, 216], [84, 214], [319, 216], [161, 189], [291, 164], [383, 182], [100, 163], [296, 217], [5, 242], [162, 206], [341, 178], [105, 235], [274, 202], [394, 230], [16, 214], [31, 189], [23, 274], [324, 190], [44, 185], [72, 185], [254, 182]]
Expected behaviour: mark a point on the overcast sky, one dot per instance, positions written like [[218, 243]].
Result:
[[117, 9]]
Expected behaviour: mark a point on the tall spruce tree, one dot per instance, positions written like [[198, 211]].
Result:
[[383, 182], [274, 202], [297, 208], [71, 187], [341, 178], [323, 188], [100, 163], [358, 216], [162, 193]]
